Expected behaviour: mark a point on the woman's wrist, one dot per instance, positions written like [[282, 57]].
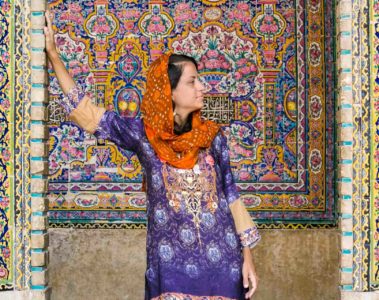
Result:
[[53, 55], [248, 256], [246, 252]]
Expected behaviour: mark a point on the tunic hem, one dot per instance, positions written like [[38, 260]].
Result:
[[179, 296]]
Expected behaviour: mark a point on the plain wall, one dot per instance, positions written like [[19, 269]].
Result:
[[110, 264]]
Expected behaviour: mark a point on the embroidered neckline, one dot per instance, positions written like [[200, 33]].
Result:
[[186, 189]]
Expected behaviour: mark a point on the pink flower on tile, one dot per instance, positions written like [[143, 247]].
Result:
[[4, 202], [242, 6], [65, 143], [74, 7], [253, 68], [245, 70], [212, 54], [6, 154], [3, 272], [6, 104], [6, 252], [85, 69], [6, 6], [241, 62]]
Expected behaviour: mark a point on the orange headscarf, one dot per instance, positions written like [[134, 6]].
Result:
[[180, 151]]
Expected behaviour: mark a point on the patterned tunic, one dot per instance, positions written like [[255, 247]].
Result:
[[193, 249]]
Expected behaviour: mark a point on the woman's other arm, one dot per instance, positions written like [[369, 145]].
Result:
[[245, 226]]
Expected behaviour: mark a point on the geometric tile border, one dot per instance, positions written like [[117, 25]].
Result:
[[22, 90], [374, 146], [345, 140], [7, 151], [39, 150], [361, 145]]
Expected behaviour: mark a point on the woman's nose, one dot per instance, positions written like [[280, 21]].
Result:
[[200, 85]]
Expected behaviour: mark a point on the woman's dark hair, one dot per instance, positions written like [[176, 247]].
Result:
[[175, 67], [175, 70]]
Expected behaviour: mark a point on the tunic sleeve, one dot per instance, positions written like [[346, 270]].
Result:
[[125, 132], [245, 226]]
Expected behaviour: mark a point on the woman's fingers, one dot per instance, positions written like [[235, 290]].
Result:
[[254, 283], [48, 20], [245, 276], [49, 28], [49, 34], [48, 24]]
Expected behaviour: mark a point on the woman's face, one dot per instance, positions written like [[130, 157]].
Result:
[[188, 95]]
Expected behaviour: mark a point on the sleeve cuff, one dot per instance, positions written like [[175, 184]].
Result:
[[250, 237], [245, 226], [72, 99]]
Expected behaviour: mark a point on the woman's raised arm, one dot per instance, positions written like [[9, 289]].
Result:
[[65, 80], [125, 132], [77, 105]]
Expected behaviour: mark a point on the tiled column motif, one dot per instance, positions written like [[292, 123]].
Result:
[[345, 140], [374, 143], [7, 150], [361, 142], [39, 151]]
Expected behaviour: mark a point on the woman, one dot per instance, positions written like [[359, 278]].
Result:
[[196, 222]]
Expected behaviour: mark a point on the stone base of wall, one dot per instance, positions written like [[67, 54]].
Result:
[[25, 295], [110, 264], [360, 296]]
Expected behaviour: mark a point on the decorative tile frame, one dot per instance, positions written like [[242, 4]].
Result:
[[361, 144], [16, 178], [21, 147], [7, 152], [357, 183], [345, 140], [373, 10], [27, 222]]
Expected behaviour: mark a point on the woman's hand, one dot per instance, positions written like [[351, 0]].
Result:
[[248, 273], [51, 48]]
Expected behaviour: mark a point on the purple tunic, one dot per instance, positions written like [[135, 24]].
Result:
[[192, 245], [193, 250]]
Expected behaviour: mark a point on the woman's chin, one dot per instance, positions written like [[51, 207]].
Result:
[[198, 107]]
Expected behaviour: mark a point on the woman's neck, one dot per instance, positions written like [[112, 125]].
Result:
[[180, 118]]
